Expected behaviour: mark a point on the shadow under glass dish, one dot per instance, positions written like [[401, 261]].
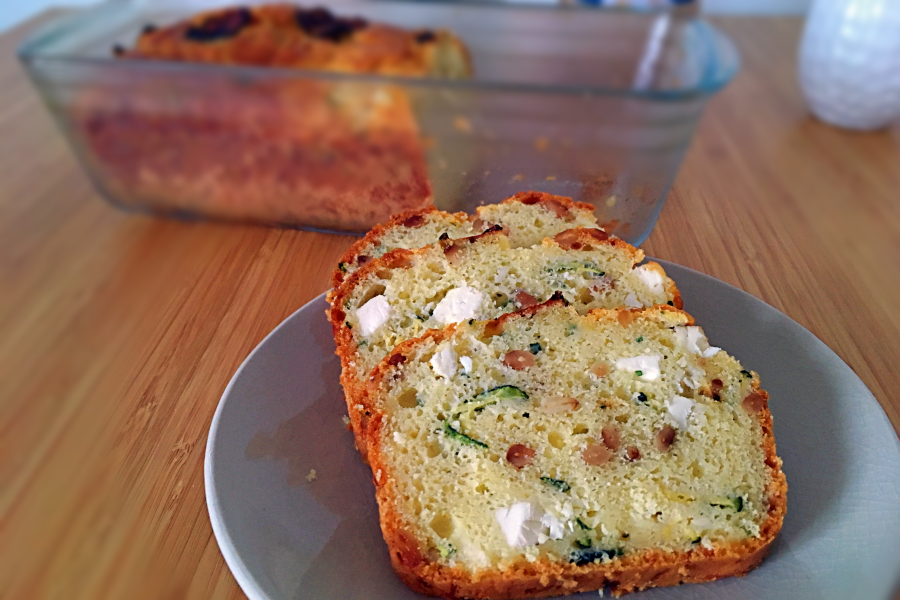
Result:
[[595, 104]]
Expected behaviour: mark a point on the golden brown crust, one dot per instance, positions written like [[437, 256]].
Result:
[[285, 35], [374, 236], [543, 578], [408, 218], [533, 197]]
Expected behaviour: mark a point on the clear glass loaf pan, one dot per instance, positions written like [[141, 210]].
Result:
[[595, 104]]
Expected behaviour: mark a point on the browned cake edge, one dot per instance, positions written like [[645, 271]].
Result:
[[262, 35], [543, 578], [560, 205], [549, 200], [410, 218]]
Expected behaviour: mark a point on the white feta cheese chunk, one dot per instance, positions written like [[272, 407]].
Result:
[[631, 301], [556, 529], [444, 362], [458, 305], [711, 351], [524, 524], [646, 366], [466, 363], [693, 340], [679, 408], [500, 277], [651, 278], [521, 524], [373, 314], [694, 376]]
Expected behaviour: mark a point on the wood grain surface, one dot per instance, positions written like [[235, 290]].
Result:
[[118, 333]]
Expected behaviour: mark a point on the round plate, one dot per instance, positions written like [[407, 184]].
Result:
[[288, 535]]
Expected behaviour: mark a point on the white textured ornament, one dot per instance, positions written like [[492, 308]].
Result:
[[850, 62]]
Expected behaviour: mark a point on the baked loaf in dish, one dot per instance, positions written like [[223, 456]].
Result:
[[527, 218], [285, 35], [547, 453], [406, 292], [278, 147]]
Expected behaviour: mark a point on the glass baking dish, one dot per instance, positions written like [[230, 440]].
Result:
[[595, 104]]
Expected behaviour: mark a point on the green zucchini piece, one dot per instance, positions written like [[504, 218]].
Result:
[[557, 483], [446, 550], [493, 396], [461, 437], [579, 267], [590, 555], [735, 503]]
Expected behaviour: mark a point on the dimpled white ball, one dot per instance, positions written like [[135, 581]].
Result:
[[850, 62]]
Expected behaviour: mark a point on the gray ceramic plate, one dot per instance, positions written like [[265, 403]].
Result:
[[285, 537]]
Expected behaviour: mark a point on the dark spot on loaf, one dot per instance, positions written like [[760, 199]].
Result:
[[396, 359], [525, 299], [557, 295], [715, 386], [665, 437], [363, 260], [220, 26], [321, 23], [611, 437], [754, 402], [518, 359], [557, 208], [520, 455], [414, 221], [531, 198], [571, 238], [444, 236], [423, 37], [492, 328], [598, 234], [451, 251], [148, 28]]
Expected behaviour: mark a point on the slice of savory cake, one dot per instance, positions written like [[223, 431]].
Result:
[[406, 292], [549, 453], [528, 217]]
